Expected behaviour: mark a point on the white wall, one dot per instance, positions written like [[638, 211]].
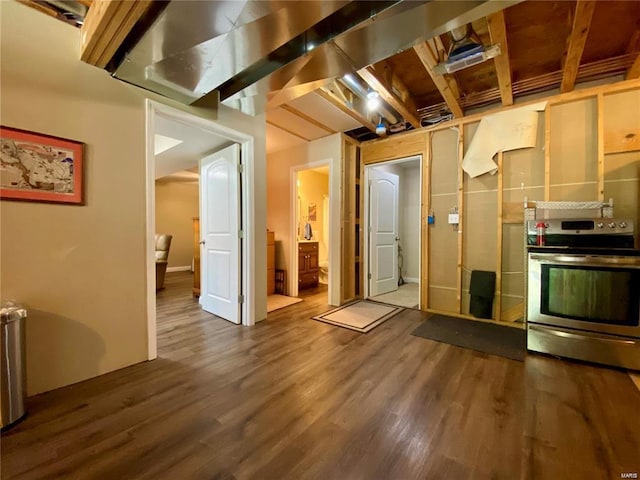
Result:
[[410, 214], [279, 200], [177, 203]]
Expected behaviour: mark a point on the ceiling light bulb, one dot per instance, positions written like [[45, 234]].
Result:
[[373, 100], [373, 103]]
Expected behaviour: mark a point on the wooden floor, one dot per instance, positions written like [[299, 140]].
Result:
[[293, 398]]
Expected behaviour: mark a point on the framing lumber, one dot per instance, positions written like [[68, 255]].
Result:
[[106, 26], [498, 310], [352, 112], [424, 224], [600, 133], [405, 107], [460, 198], [307, 118], [498, 35], [559, 99], [547, 152], [446, 86], [634, 70], [576, 42], [278, 98]]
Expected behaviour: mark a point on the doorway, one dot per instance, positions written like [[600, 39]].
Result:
[[392, 246], [243, 224], [311, 232]]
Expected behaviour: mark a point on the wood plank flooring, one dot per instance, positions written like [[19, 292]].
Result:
[[293, 398]]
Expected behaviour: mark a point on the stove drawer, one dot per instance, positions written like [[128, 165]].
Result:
[[581, 345]]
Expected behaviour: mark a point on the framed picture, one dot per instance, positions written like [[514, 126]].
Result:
[[312, 212], [40, 167]]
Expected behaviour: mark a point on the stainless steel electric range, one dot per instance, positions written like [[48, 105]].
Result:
[[583, 291]]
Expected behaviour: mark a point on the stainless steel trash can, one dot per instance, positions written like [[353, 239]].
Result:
[[12, 363]]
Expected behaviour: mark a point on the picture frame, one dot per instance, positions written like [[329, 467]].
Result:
[[312, 212], [40, 168]]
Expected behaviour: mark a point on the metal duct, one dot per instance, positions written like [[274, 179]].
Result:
[[244, 50]]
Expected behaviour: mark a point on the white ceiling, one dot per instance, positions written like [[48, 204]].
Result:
[[284, 130], [315, 106], [196, 143]]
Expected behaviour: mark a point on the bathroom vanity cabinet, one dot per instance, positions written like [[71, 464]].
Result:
[[308, 268]]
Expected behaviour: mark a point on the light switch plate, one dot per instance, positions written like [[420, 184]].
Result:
[[454, 218]]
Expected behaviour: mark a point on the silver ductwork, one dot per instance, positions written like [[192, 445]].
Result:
[[245, 50]]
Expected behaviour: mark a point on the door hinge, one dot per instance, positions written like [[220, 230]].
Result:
[[240, 168], [240, 233], [240, 298], [369, 276]]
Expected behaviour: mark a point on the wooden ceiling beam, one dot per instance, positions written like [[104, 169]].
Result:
[[634, 70], [307, 118], [576, 42], [498, 35], [107, 24], [278, 98], [405, 107], [333, 99], [446, 85]]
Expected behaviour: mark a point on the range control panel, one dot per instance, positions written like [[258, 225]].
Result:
[[580, 226]]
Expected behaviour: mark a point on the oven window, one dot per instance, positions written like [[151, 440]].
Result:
[[592, 294]]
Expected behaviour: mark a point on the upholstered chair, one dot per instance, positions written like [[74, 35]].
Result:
[[163, 242]]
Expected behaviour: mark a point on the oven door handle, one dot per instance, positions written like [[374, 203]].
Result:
[[565, 334], [587, 260]]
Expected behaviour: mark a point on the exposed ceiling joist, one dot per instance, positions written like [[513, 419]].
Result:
[[634, 70], [405, 107], [447, 86], [576, 42], [280, 97], [352, 112], [498, 35], [307, 118], [634, 42], [106, 26], [289, 131]]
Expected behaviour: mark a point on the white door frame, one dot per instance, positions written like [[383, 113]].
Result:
[[293, 174], [153, 109], [365, 262]]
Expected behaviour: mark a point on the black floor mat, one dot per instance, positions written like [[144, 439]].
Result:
[[485, 337]]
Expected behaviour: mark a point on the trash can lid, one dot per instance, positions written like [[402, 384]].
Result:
[[11, 311]]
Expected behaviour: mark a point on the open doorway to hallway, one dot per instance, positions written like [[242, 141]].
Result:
[[198, 227], [392, 246]]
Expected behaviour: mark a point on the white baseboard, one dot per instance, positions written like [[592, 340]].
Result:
[[411, 280], [186, 268]]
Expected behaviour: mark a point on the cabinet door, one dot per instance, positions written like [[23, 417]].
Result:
[[303, 264], [312, 261]]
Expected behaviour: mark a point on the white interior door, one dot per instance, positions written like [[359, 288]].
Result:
[[383, 228], [220, 233]]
